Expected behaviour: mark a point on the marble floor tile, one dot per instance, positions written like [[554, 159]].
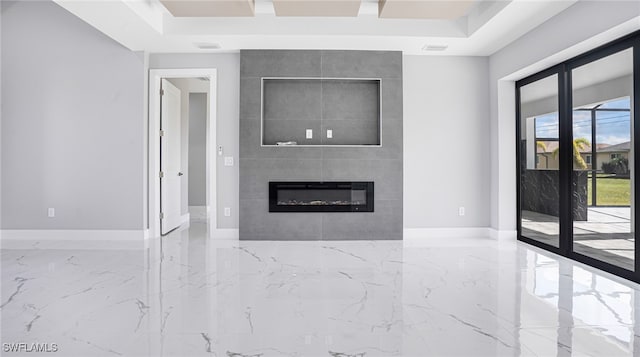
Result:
[[190, 295]]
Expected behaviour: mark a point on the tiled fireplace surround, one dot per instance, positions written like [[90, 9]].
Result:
[[261, 164]]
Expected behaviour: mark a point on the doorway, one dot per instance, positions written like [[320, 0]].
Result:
[[168, 196], [576, 149]]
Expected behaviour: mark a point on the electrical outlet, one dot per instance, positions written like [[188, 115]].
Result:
[[461, 211], [329, 133], [228, 161], [51, 212], [309, 133], [227, 211]]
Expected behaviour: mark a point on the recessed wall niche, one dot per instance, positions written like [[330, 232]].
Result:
[[320, 111]]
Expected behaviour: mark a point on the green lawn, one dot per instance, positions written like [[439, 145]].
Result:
[[611, 191]]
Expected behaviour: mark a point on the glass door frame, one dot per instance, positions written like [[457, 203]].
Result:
[[565, 137]]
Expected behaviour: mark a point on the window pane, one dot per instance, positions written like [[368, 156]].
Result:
[[539, 150]]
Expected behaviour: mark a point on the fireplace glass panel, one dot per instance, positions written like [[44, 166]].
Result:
[[321, 197]]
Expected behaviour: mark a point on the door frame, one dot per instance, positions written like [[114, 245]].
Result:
[[153, 174]]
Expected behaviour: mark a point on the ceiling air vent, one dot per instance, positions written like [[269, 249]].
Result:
[[207, 45], [435, 47]]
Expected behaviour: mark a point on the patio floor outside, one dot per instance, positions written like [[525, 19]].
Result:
[[606, 235]]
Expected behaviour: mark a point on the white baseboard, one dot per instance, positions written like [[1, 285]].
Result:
[[418, 233], [199, 213], [73, 239], [74, 234], [225, 233], [470, 232]]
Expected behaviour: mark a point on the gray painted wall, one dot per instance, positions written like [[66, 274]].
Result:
[[228, 66], [197, 148], [74, 140], [259, 165], [446, 141], [442, 84]]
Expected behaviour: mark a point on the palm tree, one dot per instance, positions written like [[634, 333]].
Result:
[[578, 145], [541, 145]]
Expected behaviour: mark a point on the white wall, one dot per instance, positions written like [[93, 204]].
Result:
[[198, 108], [581, 27], [446, 141], [74, 141], [228, 66]]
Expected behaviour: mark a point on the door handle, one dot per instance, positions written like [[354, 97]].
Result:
[[180, 174]]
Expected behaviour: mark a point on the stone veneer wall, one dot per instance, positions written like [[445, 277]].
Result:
[[540, 193], [259, 165]]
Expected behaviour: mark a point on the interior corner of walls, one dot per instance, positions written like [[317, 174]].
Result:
[[506, 234]]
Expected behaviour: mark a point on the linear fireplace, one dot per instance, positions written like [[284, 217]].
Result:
[[320, 196]]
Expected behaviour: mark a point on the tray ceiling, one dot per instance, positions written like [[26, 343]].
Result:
[[454, 27]]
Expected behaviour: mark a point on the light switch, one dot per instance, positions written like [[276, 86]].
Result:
[[329, 133], [228, 161], [309, 133]]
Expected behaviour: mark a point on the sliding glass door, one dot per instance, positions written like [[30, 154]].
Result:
[[603, 172], [576, 133]]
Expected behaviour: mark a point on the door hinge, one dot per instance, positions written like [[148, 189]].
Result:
[[161, 215], [161, 174], [161, 132], [161, 91]]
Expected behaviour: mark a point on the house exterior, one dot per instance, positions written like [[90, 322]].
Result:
[[611, 152], [546, 159]]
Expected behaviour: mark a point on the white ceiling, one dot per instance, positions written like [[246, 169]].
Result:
[[146, 25]]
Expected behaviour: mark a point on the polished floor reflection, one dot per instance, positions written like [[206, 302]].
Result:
[[186, 295], [606, 235]]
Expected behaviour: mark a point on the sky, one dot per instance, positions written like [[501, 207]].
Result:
[[611, 127]]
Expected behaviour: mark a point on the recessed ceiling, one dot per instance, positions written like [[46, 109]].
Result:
[[474, 28], [210, 8], [331, 8], [417, 9]]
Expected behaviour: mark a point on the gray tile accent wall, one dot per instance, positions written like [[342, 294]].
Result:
[[259, 165]]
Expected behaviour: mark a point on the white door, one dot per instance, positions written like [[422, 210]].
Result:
[[171, 176]]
